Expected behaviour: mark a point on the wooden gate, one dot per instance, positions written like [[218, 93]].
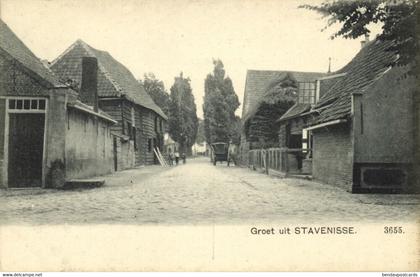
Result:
[[26, 145]]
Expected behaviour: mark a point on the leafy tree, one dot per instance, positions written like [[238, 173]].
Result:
[[156, 89], [183, 121], [235, 132], [220, 104], [400, 21], [200, 133]]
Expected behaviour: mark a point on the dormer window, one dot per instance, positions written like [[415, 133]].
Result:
[[306, 94]]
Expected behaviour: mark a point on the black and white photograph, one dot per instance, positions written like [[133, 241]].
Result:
[[198, 135]]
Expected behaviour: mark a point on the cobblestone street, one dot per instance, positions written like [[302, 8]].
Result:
[[199, 193]]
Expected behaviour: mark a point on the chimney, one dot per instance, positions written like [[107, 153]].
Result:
[[364, 42], [89, 86]]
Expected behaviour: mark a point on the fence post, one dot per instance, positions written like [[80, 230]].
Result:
[[281, 161], [266, 159]]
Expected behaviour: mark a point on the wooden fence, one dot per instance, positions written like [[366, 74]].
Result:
[[283, 160]]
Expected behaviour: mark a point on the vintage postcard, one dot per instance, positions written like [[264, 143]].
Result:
[[198, 135]]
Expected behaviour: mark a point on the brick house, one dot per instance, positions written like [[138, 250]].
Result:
[[292, 133], [140, 122], [268, 95], [47, 134], [363, 126]]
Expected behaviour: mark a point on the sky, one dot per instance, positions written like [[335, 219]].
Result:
[[169, 36]]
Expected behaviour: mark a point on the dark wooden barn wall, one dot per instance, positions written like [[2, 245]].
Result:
[[120, 110], [113, 108]]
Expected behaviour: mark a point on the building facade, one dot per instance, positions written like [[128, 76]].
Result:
[[362, 127], [292, 132], [47, 135], [140, 122], [268, 95]]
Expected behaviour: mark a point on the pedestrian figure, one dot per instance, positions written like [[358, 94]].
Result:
[[232, 154], [176, 157], [184, 158], [171, 158]]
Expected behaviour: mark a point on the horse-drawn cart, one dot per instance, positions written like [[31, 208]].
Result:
[[222, 152], [219, 152]]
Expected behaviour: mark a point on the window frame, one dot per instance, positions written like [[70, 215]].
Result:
[[307, 92], [30, 100]]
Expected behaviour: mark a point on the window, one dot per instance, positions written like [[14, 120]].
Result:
[[156, 124], [306, 93], [155, 143], [33, 105], [27, 104], [129, 130], [19, 104], [149, 145], [134, 138], [307, 142], [41, 104], [133, 118]]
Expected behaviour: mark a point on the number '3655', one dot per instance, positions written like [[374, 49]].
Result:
[[393, 230]]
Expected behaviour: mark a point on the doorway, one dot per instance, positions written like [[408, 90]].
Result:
[[25, 148]]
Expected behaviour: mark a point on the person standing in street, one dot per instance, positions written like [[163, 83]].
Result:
[[171, 157], [176, 157], [184, 158]]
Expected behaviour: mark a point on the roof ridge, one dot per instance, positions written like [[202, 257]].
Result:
[[89, 49], [107, 75], [64, 53], [15, 48], [284, 71], [115, 78]]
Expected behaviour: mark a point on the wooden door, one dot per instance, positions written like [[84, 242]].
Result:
[[26, 145]]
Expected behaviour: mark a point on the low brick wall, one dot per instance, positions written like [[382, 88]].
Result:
[[333, 156]]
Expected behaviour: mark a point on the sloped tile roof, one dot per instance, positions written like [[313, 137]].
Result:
[[14, 47], [327, 84], [114, 79], [258, 81], [295, 110], [367, 66]]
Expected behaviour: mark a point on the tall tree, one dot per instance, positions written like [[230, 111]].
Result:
[[156, 89], [220, 104], [183, 121], [235, 131], [200, 133], [400, 21]]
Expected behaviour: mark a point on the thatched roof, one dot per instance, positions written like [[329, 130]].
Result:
[[263, 86]]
